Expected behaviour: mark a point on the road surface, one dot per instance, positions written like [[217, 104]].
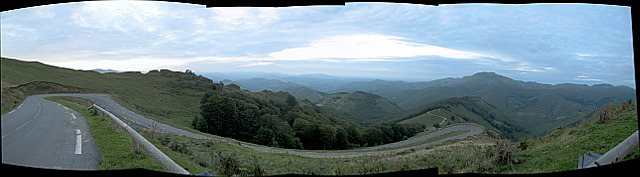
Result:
[[44, 134], [473, 130]]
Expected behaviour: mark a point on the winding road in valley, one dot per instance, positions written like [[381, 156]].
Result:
[[41, 133], [473, 130]]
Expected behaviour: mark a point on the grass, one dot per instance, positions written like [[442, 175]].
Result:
[[434, 118], [559, 151]]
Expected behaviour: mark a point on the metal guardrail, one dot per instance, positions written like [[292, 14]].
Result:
[[617, 153], [165, 162]]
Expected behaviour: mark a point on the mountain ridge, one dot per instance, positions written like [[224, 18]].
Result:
[[539, 107]]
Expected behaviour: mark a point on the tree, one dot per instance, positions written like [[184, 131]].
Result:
[[199, 123], [373, 136], [437, 125], [354, 135], [291, 101], [341, 139], [263, 136], [220, 114], [327, 135]]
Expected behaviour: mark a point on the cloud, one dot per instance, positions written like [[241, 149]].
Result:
[[119, 15], [231, 18], [378, 69], [584, 77], [134, 64], [369, 47], [256, 64]]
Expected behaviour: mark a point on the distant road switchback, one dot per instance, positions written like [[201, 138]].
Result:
[[473, 130]]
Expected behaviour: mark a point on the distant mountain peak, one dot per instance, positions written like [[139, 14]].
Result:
[[484, 73]]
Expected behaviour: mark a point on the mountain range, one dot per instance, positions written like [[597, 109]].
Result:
[[538, 107]]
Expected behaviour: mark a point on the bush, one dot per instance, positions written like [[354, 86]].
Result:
[[228, 164], [503, 153]]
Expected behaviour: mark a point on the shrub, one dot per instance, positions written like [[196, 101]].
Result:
[[503, 153], [228, 164]]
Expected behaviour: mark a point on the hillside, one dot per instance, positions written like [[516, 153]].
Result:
[[164, 95], [559, 150], [363, 108], [537, 107], [277, 119], [302, 92], [462, 109]]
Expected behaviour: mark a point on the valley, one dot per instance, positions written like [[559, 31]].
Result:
[[389, 117]]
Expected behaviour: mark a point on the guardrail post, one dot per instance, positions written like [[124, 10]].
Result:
[[135, 145]]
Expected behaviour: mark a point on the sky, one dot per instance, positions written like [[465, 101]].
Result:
[[546, 43]]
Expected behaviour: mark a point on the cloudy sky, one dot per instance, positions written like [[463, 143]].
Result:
[[547, 43]]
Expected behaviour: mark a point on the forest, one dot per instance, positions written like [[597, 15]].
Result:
[[277, 119]]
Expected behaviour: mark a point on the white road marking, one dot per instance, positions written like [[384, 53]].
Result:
[[78, 142], [74, 116], [23, 125]]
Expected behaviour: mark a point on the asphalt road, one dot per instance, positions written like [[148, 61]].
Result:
[[128, 116], [44, 134], [473, 130]]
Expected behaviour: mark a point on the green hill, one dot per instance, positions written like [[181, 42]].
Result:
[[437, 116], [302, 92], [559, 150], [462, 109], [539, 108], [361, 107], [164, 95]]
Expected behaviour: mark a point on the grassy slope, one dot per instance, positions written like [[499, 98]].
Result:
[[539, 108], [433, 118], [463, 107], [165, 96], [364, 108], [559, 151]]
